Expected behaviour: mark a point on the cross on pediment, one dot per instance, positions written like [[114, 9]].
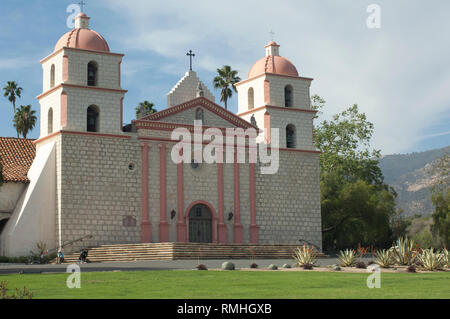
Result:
[[191, 55]]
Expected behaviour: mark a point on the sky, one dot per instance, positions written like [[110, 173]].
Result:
[[398, 74]]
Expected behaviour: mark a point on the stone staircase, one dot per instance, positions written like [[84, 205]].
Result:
[[177, 251]]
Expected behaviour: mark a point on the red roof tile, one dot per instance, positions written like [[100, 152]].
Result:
[[16, 157]]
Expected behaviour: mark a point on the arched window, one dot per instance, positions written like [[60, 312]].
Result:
[[288, 98], [50, 120], [199, 115], [251, 98], [92, 73], [290, 136], [93, 118], [52, 76]]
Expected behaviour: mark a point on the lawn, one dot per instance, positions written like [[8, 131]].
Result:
[[233, 284]]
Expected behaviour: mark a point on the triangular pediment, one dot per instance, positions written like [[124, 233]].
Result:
[[184, 114]]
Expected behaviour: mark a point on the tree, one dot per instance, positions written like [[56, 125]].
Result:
[[357, 207], [12, 91], [147, 106], [440, 197], [25, 120], [345, 145], [226, 77]]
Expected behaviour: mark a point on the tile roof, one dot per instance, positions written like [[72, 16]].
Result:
[[16, 157]]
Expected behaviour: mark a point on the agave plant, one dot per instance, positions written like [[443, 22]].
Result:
[[305, 255], [347, 257], [404, 251], [384, 258], [445, 258], [431, 260]]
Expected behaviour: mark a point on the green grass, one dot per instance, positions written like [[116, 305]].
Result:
[[233, 284]]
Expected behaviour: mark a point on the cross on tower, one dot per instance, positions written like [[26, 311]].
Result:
[[82, 3], [191, 55]]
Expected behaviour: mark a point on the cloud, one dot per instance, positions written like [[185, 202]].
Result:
[[399, 75]]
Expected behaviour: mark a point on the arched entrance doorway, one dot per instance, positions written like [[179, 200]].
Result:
[[200, 224]]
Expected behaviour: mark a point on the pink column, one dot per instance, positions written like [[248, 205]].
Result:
[[221, 227], [253, 226], [121, 114], [145, 222], [238, 236], [63, 109], [65, 72], [163, 225], [181, 225]]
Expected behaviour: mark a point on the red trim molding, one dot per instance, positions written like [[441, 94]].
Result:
[[295, 109], [63, 109], [163, 225], [65, 73], [64, 85], [76, 49], [221, 227], [145, 222], [238, 229], [274, 74], [121, 114], [181, 225], [207, 104]]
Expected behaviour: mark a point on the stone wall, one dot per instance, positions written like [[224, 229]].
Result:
[[186, 90], [288, 203], [98, 190]]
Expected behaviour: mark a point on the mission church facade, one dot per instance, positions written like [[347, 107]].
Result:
[[92, 175]]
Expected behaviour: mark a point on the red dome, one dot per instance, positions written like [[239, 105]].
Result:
[[81, 38], [273, 64]]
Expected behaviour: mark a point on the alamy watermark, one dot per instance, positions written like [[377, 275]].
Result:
[[190, 147], [374, 280], [74, 280], [374, 19]]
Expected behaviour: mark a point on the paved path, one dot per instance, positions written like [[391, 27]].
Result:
[[154, 265]]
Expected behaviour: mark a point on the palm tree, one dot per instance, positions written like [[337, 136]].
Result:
[[25, 120], [226, 78], [147, 107], [12, 91]]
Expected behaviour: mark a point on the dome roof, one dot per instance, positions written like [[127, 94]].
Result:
[[86, 39], [273, 63]]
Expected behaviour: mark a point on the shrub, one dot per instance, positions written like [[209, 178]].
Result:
[[305, 255], [272, 267], [431, 260], [227, 266], [404, 251], [347, 257], [411, 268], [361, 264], [253, 265], [202, 267], [18, 294], [384, 258], [286, 266], [371, 263], [307, 266]]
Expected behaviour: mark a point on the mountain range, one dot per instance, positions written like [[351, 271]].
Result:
[[409, 175]]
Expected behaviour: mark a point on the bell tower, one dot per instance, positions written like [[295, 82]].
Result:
[[81, 84], [275, 96]]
